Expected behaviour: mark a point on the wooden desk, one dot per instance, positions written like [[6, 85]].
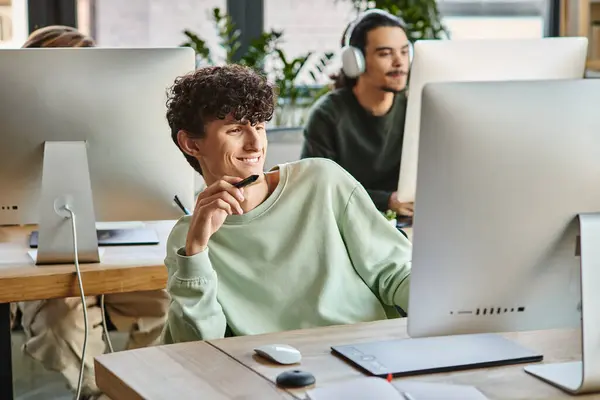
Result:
[[509, 382], [181, 371], [123, 269], [200, 370]]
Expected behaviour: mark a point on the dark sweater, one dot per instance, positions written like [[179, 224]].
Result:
[[367, 146]]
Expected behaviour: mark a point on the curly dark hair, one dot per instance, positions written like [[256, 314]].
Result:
[[211, 93]]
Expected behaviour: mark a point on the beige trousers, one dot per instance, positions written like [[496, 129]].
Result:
[[55, 330], [13, 314]]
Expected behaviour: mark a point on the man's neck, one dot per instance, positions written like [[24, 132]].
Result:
[[256, 193], [375, 101]]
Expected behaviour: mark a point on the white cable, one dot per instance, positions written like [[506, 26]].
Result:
[[106, 336], [83, 303]]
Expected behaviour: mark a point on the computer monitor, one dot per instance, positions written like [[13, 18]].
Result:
[[480, 60], [507, 233], [87, 127]]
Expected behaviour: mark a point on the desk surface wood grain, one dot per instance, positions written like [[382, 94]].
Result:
[[180, 372], [509, 382], [122, 268]]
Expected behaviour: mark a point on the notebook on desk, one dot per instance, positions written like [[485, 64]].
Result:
[[380, 389]]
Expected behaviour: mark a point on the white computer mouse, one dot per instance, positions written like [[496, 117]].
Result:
[[279, 353]]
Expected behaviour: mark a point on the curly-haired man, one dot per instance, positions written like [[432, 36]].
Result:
[[303, 246]]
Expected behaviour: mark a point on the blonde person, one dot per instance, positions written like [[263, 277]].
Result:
[[55, 328]]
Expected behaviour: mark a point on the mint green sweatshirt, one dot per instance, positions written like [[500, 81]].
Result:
[[316, 252]]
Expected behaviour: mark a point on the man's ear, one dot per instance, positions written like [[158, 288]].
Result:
[[189, 145]]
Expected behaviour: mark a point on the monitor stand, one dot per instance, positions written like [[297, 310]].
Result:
[[583, 376], [66, 181]]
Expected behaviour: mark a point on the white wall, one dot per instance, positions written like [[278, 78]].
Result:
[[145, 23]]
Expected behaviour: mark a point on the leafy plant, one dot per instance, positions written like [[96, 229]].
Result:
[[292, 97], [229, 40], [199, 45], [262, 51], [422, 17], [390, 215]]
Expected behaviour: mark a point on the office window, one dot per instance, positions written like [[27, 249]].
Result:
[[494, 19], [13, 23], [148, 23], [495, 27]]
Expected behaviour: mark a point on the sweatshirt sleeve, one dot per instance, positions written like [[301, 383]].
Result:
[[319, 137], [381, 198], [380, 254], [194, 312]]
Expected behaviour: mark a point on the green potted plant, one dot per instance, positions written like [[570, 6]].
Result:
[[229, 40], [293, 99], [391, 216], [422, 17]]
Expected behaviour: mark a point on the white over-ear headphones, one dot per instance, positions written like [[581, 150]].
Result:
[[353, 59]]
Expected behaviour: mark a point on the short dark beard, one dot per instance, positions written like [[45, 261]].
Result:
[[388, 89]]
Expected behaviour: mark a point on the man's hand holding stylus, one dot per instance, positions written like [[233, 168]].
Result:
[[213, 205]]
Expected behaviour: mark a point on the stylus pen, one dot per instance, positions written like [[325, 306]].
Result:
[[180, 205], [239, 185], [247, 181], [407, 396]]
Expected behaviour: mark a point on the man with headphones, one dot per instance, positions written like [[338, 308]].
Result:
[[360, 124]]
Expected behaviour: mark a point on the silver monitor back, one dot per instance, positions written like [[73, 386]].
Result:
[[111, 99], [480, 60], [504, 170]]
